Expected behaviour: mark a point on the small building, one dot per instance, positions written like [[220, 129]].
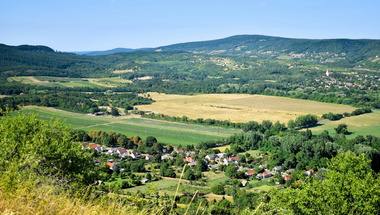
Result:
[[309, 172], [149, 157], [113, 150], [287, 177], [250, 173], [136, 154], [93, 146], [265, 174], [244, 183], [231, 160], [188, 159], [85, 145], [121, 151], [100, 149], [112, 165], [144, 181], [277, 168], [192, 164], [210, 157]]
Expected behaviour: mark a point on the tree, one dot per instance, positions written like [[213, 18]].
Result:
[[115, 112], [150, 141], [201, 166], [231, 171], [156, 158], [342, 129], [218, 189], [189, 175], [148, 176], [170, 173], [350, 187]]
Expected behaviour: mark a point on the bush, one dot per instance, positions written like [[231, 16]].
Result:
[[218, 189]]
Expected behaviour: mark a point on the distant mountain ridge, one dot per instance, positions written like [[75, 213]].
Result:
[[268, 46], [111, 51]]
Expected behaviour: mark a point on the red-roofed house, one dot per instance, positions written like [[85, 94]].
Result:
[[93, 146], [148, 157], [121, 151], [250, 173], [230, 160], [111, 165], [287, 177], [188, 159], [85, 145], [265, 174]]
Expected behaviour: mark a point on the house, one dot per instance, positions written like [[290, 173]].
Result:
[[93, 146], [265, 174], [180, 151], [100, 149], [210, 157], [85, 145], [149, 157], [193, 164], [263, 165], [290, 170], [188, 159], [277, 168], [249, 173], [144, 181], [309, 172], [113, 150], [190, 153], [121, 151], [97, 162], [136, 154], [215, 166], [166, 157], [244, 183], [112, 165], [220, 155], [230, 160], [287, 177]]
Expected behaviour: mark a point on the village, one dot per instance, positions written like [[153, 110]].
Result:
[[244, 169]]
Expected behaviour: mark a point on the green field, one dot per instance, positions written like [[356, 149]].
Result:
[[162, 184], [165, 132], [359, 125]]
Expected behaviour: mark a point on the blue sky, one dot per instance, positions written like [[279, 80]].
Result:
[[89, 25]]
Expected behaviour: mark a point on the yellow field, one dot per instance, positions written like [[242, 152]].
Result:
[[222, 148], [239, 107]]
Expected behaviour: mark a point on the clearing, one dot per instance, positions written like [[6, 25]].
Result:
[[238, 107], [360, 125], [165, 132]]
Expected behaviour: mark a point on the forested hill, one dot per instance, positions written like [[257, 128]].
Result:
[[274, 47], [113, 51]]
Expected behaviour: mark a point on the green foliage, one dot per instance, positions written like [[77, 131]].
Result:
[[350, 187], [46, 147], [342, 129], [218, 189]]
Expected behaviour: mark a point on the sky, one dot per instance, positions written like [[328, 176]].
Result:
[[94, 25]]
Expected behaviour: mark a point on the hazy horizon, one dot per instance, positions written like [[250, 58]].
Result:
[[99, 25]]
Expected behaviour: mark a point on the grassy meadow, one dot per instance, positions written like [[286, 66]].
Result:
[[165, 132], [239, 107], [359, 125], [70, 82]]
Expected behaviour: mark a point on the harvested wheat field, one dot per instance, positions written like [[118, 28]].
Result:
[[239, 107]]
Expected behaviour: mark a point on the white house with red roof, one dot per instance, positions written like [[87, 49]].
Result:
[[149, 157], [230, 160]]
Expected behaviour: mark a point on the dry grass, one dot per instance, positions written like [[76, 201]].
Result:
[[212, 196], [122, 71], [239, 107], [43, 200], [222, 148]]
